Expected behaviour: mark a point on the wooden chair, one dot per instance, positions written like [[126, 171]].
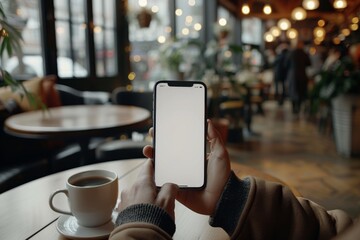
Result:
[[233, 110]]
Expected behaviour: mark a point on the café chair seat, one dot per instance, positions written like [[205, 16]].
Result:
[[143, 99], [120, 149], [70, 156], [233, 111], [17, 174]]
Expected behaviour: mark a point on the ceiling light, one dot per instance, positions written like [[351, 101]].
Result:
[[284, 24], [340, 4], [267, 9], [245, 9], [292, 33], [298, 14], [310, 4]]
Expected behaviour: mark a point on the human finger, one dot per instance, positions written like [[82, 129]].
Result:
[[148, 151], [143, 190], [166, 198], [151, 132], [217, 146], [147, 171]]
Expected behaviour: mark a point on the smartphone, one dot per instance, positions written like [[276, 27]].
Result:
[[180, 133]]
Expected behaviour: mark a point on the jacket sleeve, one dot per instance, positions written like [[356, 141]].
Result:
[[143, 221], [268, 210]]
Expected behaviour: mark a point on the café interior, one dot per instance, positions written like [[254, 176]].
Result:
[[111, 52]]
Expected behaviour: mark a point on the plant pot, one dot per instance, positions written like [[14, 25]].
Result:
[[144, 18], [346, 124]]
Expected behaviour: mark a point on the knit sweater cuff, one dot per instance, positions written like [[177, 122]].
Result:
[[147, 213], [231, 204]]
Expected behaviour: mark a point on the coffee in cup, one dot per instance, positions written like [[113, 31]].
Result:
[[92, 196]]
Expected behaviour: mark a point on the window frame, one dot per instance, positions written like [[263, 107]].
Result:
[[92, 81]]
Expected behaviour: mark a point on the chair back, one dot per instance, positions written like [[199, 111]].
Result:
[[142, 99], [134, 98]]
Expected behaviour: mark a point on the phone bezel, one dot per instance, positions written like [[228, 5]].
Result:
[[176, 83]]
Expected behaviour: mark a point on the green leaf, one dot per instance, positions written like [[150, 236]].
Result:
[[3, 46], [2, 13]]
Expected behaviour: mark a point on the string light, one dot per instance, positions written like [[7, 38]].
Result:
[[143, 3], [354, 27], [355, 20], [178, 12], [197, 26], [321, 23], [345, 32], [319, 32], [222, 21]]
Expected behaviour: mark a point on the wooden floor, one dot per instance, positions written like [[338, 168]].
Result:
[[292, 149]]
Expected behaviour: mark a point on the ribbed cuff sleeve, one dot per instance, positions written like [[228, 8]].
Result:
[[231, 204], [148, 213]]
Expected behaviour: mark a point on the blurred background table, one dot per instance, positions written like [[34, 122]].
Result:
[[77, 123]]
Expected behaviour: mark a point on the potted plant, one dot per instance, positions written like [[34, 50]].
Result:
[[339, 90], [10, 41], [144, 17]]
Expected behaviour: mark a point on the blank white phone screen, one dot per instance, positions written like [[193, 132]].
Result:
[[180, 135]]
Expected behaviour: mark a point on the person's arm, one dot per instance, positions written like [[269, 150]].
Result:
[[143, 221], [146, 213], [256, 209]]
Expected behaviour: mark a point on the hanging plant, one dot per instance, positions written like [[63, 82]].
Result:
[[144, 17]]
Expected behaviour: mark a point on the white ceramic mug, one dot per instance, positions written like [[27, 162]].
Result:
[[92, 196]]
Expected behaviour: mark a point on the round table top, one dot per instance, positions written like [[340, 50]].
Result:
[[76, 120]]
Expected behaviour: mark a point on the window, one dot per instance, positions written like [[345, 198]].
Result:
[[24, 14], [160, 32], [84, 32], [75, 39], [104, 31], [189, 18], [71, 44], [149, 28]]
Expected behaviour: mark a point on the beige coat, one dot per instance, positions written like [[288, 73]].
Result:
[[271, 212]]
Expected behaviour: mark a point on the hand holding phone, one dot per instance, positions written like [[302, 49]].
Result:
[[180, 133]]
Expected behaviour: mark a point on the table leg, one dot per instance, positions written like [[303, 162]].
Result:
[[85, 152]]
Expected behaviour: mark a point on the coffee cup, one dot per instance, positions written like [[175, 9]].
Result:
[[92, 196]]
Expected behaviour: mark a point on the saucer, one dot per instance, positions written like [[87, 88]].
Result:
[[68, 227]]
